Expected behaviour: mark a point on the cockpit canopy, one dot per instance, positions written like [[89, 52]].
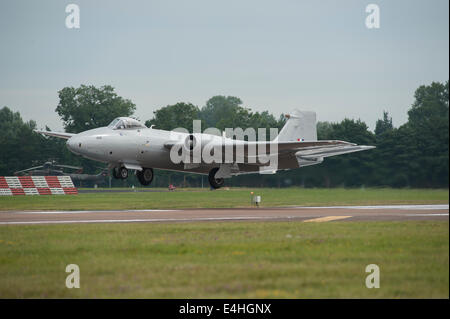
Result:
[[125, 123]]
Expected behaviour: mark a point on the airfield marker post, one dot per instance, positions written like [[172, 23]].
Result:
[[257, 200]]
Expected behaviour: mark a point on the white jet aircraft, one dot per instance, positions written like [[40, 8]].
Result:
[[126, 144]]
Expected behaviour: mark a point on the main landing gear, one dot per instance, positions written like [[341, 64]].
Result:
[[120, 172], [213, 181], [145, 176]]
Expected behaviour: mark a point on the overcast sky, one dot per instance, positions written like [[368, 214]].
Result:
[[274, 55]]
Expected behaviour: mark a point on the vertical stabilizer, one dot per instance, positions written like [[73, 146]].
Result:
[[300, 126]]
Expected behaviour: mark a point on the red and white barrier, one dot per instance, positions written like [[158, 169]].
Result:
[[36, 185]]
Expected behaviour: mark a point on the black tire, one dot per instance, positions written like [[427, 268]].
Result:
[[115, 173], [145, 176], [215, 182], [123, 173]]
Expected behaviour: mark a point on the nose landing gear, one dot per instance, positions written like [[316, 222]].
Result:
[[145, 176]]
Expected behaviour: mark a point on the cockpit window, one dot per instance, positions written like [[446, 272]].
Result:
[[112, 125], [125, 123], [133, 124]]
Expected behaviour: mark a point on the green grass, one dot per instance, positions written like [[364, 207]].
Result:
[[226, 198], [226, 260]]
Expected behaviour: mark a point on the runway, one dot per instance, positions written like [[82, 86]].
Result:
[[297, 213]]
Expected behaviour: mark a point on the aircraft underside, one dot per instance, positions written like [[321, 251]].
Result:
[[217, 173]]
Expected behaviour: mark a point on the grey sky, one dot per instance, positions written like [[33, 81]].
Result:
[[274, 55]]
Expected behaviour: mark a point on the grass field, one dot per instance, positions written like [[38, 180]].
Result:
[[239, 197], [226, 260]]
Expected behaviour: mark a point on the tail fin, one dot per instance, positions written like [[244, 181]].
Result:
[[300, 126]]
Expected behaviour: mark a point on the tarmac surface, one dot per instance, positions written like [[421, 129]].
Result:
[[299, 213], [115, 190]]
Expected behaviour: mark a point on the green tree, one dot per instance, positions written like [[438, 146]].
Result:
[[175, 116], [20, 146], [430, 105], [223, 110], [428, 124], [383, 125], [227, 112], [324, 130], [88, 107]]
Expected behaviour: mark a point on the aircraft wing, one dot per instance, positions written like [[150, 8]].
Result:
[[290, 147], [56, 134], [265, 146], [310, 151]]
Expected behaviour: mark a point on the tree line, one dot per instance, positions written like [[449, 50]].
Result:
[[412, 155]]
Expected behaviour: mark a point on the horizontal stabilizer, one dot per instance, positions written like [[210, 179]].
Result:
[[331, 151]]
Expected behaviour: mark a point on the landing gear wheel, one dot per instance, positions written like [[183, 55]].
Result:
[[123, 173], [115, 173], [215, 182], [145, 176]]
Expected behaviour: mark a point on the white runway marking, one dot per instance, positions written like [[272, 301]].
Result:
[[96, 211], [147, 220], [403, 207], [426, 214], [181, 215]]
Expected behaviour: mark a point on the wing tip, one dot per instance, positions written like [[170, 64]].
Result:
[[55, 134], [367, 147]]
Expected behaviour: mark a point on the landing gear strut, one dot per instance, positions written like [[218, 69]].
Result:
[[213, 181], [145, 176]]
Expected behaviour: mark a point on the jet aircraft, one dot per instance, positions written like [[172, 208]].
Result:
[[126, 144]]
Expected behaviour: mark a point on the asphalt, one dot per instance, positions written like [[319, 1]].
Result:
[[301, 214], [113, 190]]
